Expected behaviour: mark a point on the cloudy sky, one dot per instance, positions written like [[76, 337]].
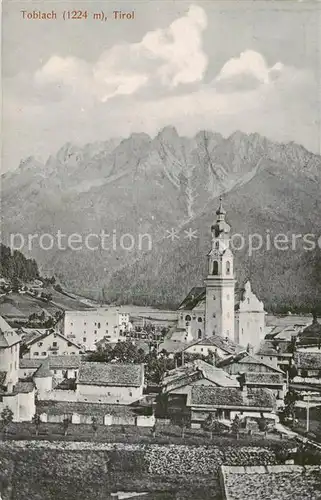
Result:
[[224, 66]]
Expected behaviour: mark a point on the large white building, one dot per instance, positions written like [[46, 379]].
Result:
[[217, 309], [88, 327]]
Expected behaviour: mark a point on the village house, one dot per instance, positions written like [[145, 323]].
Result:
[[18, 396], [48, 343], [178, 383], [220, 347], [244, 363], [227, 402], [110, 382]]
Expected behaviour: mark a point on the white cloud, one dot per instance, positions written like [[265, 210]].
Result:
[[249, 70], [171, 56]]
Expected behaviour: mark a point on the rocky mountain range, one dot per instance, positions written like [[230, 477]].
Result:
[[142, 185]]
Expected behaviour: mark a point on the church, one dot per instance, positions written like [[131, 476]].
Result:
[[216, 308]]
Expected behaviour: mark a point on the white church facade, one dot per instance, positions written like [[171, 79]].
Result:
[[216, 309]]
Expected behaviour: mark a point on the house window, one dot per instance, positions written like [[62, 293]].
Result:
[[130, 393], [227, 297], [95, 331], [217, 244], [36, 353], [214, 315], [44, 353], [228, 267], [55, 372], [199, 333], [201, 349], [248, 301], [215, 268], [228, 315], [200, 320], [54, 344], [188, 318], [71, 324], [98, 325], [84, 339], [85, 323], [40, 344]]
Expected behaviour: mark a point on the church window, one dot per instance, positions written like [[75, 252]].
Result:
[[217, 244], [248, 301], [228, 315], [199, 320], [227, 297], [199, 334], [214, 315], [188, 318], [215, 268], [214, 297], [242, 330], [228, 267]]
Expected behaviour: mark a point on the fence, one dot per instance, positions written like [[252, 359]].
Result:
[[76, 418]]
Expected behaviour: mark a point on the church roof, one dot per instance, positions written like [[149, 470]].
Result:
[[193, 298]]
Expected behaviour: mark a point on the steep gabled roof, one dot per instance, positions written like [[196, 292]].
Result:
[[8, 336], [183, 376], [42, 336], [193, 298]]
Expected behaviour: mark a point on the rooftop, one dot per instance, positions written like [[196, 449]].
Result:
[[223, 343], [266, 349], [308, 360], [272, 482], [111, 374], [8, 336], [261, 378], [181, 376], [24, 387], [92, 409], [230, 397], [246, 359], [55, 362]]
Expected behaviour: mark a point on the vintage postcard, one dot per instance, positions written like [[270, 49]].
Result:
[[160, 274]]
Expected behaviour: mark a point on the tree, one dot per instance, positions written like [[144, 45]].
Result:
[[289, 402], [6, 418], [94, 425], [36, 421], [65, 425], [235, 428]]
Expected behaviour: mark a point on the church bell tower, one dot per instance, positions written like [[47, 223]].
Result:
[[220, 282]]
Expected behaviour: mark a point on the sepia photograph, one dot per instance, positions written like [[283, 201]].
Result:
[[160, 264]]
